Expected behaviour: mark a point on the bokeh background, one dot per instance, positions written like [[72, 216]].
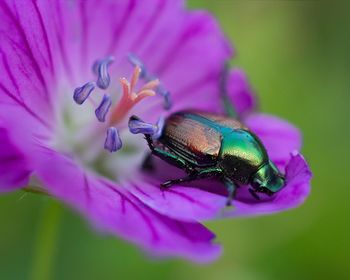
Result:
[[297, 54]]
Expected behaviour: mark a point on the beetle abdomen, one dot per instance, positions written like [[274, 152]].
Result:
[[190, 138]]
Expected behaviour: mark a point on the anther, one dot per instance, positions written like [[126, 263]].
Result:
[[166, 95], [100, 68], [83, 92], [136, 126], [135, 61], [103, 108], [113, 142], [160, 126]]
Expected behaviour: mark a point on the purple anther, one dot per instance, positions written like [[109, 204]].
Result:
[[135, 61], [113, 142], [83, 92], [166, 95], [159, 130], [103, 108], [137, 126], [95, 66], [100, 68]]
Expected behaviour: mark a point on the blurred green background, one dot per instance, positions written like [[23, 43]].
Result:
[[297, 55]]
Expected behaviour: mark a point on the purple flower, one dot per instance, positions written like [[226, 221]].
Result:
[[54, 51]]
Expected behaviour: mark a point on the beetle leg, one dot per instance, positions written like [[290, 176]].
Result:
[[168, 157], [172, 159], [254, 194], [149, 141], [195, 175], [147, 163], [209, 172], [188, 178], [231, 188]]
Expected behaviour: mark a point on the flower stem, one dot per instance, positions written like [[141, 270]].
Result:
[[45, 244]]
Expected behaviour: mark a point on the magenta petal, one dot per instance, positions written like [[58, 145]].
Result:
[[279, 137], [240, 92], [298, 176], [115, 210], [178, 202], [195, 56], [190, 55], [14, 170], [27, 65]]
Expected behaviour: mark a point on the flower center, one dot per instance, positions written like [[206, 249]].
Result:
[[111, 113]]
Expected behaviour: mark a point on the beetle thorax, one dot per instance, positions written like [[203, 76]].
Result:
[[241, 155]]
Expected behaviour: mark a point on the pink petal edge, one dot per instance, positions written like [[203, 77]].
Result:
[[278, 136], [240, 92], [115, 210], [298, 177]]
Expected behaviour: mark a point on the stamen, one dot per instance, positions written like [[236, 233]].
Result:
[[100, 68], [160, 127], [103, 108], [137, 126], [129, 97], [83, 92], [113, 142], [136, 61], [166, 95]]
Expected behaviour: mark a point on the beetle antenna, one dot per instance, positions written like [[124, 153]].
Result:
[[228, 106]]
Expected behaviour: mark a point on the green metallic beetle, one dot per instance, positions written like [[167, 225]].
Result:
[[209, 145]]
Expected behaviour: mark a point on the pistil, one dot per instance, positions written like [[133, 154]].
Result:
[[129, 97], [147, 76]]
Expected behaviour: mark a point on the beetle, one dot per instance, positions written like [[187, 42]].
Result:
[[209, 145]]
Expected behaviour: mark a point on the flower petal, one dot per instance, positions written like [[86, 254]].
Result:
[[195, 55], [27, 65], [115, 210], [240, 92], [190, 56], [298, 176], [279, 137], [14, 170], [178, 202]]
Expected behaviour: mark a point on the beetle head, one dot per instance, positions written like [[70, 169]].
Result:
[[267, 179]]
